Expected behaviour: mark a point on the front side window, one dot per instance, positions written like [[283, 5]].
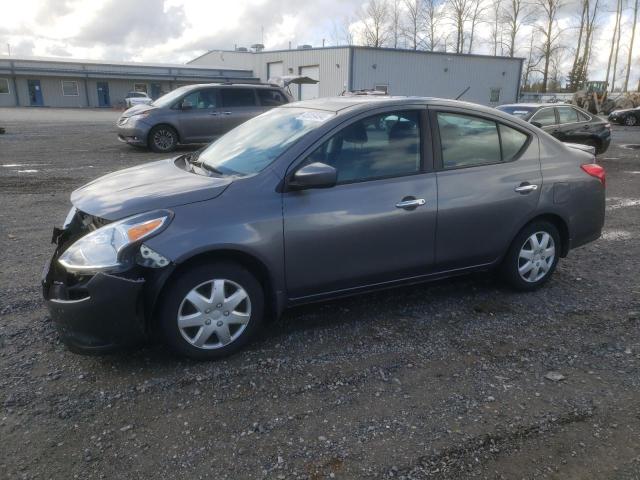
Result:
[[270, 98], [253, 145], [69, 88], [4, 86], [201, 99], [567, 115], [467, 140], [238, 97], [385, 145], [545, 117]]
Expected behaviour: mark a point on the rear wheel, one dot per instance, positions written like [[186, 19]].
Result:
[[630, 120], [163, 138], [532, 256], [211, 310]]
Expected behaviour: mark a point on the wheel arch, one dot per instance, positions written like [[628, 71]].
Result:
[[557, 221], [164, 123], [273, 305]]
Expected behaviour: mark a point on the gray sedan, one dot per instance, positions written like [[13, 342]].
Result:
[[310, 201]]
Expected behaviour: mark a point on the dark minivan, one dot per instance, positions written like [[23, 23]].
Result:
[[310, 201], [567, 123]]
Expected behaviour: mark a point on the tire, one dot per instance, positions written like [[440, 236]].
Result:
[[207, 329], [630, 120], [540, 258], [162, 139]]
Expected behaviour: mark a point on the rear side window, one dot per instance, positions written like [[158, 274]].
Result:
[[544, 117], [567, 115], [270, 98], [512, 142], [238, 97], [582, 117], [467, 141]]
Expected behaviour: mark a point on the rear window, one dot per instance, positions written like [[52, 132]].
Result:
[[271, 98], [238, 97], [516, 110], [567, 115]]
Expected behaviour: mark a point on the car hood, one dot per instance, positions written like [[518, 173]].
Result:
[[136, 109], [161, 184]]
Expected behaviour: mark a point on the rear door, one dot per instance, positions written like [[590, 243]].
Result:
[[547, 119], [359, 232], [489, 182], [237, 106], [569, 130], [198, 116]]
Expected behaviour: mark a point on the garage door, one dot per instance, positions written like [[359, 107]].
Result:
[[274, 69], [307, 92]]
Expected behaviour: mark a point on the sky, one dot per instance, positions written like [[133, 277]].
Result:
[[176, 31]]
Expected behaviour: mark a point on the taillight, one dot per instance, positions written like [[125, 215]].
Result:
[[596, 171]]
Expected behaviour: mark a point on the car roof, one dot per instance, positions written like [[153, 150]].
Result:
[[231, 85]]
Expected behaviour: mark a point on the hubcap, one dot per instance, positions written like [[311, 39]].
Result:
[[214, 314], [163, 139], [536, 257]]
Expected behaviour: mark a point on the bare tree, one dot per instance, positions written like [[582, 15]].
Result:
[[613, 39], [395, 23], [476, 16], [550, 35], [593, 8], [615, 58], [459, 12], [531, 64], [496, 26], [576, 67], [633, 36], [341, 33], [516, 14], [432, 16], [375, 23], [415, 23]]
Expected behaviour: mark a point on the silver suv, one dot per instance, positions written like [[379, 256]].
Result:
[[196, 114]]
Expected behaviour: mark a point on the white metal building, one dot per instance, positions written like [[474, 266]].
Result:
[[55, 82], [490, 80]]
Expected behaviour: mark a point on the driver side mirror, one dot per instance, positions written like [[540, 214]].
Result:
[[314, 175]]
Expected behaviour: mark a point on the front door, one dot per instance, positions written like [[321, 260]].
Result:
[[103, 94], [198, 116], [489, 182], [35, 93], [378, 223]]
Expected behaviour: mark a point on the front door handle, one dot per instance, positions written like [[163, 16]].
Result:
[[526, 188], [226, 113], [410, 204]]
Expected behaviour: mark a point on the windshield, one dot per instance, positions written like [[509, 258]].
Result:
[[252, 146], [169, 99], [518, 111]]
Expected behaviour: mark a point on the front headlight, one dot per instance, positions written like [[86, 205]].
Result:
[[104, 249]]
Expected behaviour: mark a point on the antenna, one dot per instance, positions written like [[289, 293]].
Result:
[[9, 48]]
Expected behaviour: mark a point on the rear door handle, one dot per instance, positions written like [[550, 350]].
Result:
[[411, 204], [526, 188]]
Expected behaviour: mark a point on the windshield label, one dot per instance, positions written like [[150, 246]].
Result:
[[313, 116]]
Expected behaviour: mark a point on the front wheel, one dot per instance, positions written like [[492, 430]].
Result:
[[630, 120], [532, 256], [163, 139], [212, 310]]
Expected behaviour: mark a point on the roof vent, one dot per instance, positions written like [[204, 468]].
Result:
[[304, 47], [257, 47]]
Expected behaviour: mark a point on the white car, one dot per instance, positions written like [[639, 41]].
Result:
[[136, 98]]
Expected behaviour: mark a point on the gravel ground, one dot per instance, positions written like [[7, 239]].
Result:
[[455, 379]]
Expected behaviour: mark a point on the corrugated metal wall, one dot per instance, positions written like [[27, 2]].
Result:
[[333, 63], [437, 74]]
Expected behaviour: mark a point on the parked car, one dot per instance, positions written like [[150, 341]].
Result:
[[196, 114], [311, 201], [567, 123], [136, 98], [628, 117]]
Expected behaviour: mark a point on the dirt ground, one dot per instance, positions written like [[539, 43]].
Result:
[[442, 380]]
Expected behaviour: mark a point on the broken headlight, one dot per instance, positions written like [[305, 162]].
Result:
[[105, 249]]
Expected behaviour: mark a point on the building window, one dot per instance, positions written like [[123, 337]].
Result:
[[4, 86], [140, 87], [382, 88], [70, 88], [494, 95]]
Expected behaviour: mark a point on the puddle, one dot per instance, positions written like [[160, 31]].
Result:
[[632, 146], [616, 235], [14, 165], [616, 203], [634, 172]]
